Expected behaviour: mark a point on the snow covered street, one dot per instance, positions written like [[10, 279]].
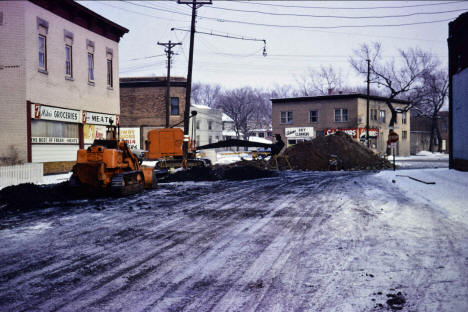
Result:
[[301, 241]]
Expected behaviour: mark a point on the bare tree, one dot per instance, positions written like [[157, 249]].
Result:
[[205, 94], [431, 97], [324, 81], [397, 78]]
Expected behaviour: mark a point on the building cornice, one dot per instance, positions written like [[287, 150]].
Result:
[[84, 17], [336, 97]]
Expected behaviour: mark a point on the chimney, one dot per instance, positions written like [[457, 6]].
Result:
[[330, 91]]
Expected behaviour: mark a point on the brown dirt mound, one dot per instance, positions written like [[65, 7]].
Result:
[[315, 155]]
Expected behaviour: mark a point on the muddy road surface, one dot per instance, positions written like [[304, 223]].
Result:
[[315, 241]]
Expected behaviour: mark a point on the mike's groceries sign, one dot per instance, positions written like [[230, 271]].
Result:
[[304, 132], [44, 112]]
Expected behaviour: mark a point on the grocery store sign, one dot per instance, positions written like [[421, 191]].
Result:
[[99, 118], [304, 132], [43, 112], [355, 132], [54, 140]]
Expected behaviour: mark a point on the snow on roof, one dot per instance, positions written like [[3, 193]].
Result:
[[200, 106], [231, 133], [259, 140], [226, 118]]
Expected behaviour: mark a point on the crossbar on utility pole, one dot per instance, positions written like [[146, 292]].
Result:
[[169, 45], [195, 5], [367, 107]]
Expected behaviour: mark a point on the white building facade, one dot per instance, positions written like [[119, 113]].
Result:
[[59, 83]]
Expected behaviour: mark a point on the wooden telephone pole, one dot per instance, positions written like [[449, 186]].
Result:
[[169, 45]]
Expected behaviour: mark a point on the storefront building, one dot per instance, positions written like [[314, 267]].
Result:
[[57, 92], [304, 118]]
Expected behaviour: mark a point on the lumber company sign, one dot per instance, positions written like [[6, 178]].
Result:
[[299, 132], [355, 132]]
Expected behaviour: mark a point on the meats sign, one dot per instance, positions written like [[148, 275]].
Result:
[[355, 132]]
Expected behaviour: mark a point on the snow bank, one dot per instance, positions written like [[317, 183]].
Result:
[[449, 194], [423, 155]]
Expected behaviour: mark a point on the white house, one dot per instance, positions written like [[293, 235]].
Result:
[[59, 83]]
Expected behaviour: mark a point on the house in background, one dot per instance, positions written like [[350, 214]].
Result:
[[206, 128], [304, 118], [458, 92], [143, 106], [420, 134], [58, 80]]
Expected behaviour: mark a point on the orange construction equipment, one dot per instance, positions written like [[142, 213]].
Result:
[[110, 165], [165, 145]]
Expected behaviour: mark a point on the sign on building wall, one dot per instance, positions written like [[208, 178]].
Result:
[[43, 112], [299, 132], [99, 118], [54, 140], [355, 132], [131, 136], [93, 132]]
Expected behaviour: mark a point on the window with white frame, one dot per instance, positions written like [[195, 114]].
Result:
[[110, 70], [313, 116], [286, 117], [382, 116], [42, 52], [68, 61], [403, 118], [90, 67], [341, 114]]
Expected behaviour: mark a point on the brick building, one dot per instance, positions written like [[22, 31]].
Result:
[[58, 65], [304, 118], [143, 104]]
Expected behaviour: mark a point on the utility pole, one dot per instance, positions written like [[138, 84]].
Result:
[[367, 108], [195, 5], [169, 54]]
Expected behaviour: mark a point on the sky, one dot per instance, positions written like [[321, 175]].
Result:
[[299, 35]]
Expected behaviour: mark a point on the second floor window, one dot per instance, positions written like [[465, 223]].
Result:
[[373, 115], [313, 116], [68, 61], [404, 135], [198, 124], [109, 73], [286, 118], [90, 67], [175, 107], [341, 115], [210, 125], [42, 52], [382, 116], [403, 118]]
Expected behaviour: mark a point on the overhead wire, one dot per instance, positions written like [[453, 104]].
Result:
[[346, 8]]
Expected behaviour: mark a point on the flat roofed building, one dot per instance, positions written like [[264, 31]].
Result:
[[304, 118]]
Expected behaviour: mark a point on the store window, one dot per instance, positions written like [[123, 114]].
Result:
[[175, 107], [341, 115], [313, 116], [53, 129], [286, 118]]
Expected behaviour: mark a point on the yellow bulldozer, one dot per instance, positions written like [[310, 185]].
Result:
[[109, 165]]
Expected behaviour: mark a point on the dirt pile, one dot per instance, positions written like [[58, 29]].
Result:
[[243, 170], [317, 155]]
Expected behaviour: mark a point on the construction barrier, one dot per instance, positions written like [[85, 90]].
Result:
[[26, 173]]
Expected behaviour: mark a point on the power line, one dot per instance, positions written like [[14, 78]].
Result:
[[336, 16], [346, 8], [294, 26], [146, 57]]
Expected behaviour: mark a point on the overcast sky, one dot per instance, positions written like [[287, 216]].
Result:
[[298, 36]]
